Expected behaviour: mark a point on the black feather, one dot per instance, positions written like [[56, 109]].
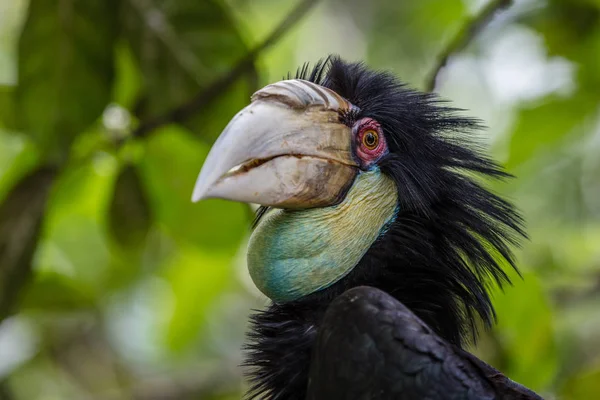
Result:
[[279, 349]]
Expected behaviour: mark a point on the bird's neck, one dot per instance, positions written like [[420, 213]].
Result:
[[293, 253]]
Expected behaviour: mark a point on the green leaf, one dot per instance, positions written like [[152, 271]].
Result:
[[56, 292], [18, 156], [74, 238], [169, 170], [525, 332], [129, 213], [542, 126], [181, 47], [21, 216], [12, 16], [7, 113], [128, 80], [583, 386], [197, 278], [65, 69]]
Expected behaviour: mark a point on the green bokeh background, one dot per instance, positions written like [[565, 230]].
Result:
[[113, 285]]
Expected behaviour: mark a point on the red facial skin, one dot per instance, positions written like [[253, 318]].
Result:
[[366, 151]]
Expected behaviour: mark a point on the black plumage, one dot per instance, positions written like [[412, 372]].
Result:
[[392, 354], [420, 288]]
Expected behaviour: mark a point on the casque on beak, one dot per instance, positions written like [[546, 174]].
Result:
[[287, 149]]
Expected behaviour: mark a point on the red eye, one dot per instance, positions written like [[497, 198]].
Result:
[[371, 144]]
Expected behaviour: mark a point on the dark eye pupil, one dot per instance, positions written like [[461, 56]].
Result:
[[370, 139]]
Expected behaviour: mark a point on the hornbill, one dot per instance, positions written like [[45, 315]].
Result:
[[376, 240]]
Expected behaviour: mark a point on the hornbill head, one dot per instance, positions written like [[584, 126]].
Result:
[[363, 181]]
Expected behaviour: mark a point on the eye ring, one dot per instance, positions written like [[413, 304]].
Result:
[[370, 139]]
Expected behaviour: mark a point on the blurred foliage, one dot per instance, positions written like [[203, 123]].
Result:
[[113, 285]]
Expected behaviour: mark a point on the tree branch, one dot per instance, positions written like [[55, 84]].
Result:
[[21, 216], [219, 85], [464, 37]]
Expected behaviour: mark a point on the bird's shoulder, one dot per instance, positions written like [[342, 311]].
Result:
[[371, 346]]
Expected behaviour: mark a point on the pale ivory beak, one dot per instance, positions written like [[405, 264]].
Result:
[[287, 149]]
